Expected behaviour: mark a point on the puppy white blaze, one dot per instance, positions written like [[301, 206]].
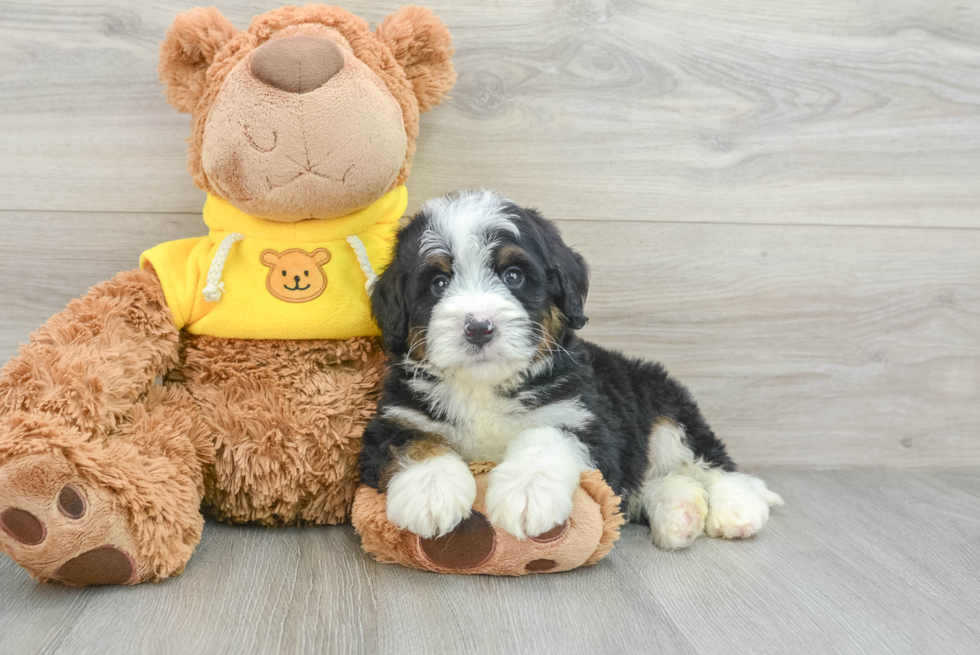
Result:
[[432, 496], [531, 491], [465, 227], [458, 217]]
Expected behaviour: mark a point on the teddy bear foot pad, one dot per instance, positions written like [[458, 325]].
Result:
[[472, 543], [59, 528]]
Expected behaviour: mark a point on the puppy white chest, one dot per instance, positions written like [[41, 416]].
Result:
[[480, 424]]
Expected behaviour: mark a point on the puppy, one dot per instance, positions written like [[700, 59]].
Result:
[[478, 311]]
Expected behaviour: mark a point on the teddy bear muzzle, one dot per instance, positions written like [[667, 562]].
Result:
[[297, 64]]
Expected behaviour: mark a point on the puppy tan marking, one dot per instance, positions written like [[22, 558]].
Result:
[[416, 343], [552, 326], [425, 446], [510, 255], [440, 262]]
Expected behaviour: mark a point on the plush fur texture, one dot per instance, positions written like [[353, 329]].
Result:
[[404, 68], [286, 419], [479, 310], [103, 471]]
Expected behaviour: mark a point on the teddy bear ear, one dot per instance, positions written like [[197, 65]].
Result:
[[269, 258], [423, 46], [187, 51]]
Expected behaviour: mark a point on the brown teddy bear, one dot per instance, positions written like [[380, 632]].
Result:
[[303, 132]]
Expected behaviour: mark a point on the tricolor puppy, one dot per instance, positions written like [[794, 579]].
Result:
[[479, 310]]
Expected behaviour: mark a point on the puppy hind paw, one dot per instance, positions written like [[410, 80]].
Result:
[[677, 525], [676, 506], [730, 522], [738, 506]]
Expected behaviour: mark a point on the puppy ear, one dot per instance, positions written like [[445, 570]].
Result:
[[187, 51], [572, 275], [423, 46], [390, 308]]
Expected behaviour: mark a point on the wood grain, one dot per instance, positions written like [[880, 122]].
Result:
[[759, 111], [805, 345], [839, 569]]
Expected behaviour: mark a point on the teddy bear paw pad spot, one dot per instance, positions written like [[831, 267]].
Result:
[[71, 503], [105, 565], [470, 544], [554, 534], [539, 565], [22, 526]]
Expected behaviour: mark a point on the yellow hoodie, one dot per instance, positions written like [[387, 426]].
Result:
[[252, 278]]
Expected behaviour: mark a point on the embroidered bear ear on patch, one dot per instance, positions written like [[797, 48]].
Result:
[[296, 275]]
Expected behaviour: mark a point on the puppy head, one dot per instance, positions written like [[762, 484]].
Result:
[[479, 288]]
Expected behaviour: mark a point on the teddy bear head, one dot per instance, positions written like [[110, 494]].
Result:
[[308, 113]]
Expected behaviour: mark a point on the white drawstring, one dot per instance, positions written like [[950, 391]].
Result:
[[215, 287], [365, 263]]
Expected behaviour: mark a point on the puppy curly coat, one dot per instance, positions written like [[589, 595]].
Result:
[[478, 310]]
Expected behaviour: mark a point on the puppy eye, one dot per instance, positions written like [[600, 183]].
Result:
[[284, 273], [439, 285], [306, 273], [513, 277]]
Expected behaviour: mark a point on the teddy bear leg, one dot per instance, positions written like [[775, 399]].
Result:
[[122, 510]]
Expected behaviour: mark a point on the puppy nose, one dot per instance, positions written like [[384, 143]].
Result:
[[298, 64], [478, 331], [296, 277]]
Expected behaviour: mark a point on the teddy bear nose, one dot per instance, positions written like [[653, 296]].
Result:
[[298, 64]]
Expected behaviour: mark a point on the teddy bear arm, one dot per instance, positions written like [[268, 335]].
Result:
[[89, 363]]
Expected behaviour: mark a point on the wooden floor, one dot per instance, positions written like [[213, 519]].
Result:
[[780, 200], [859, 561]]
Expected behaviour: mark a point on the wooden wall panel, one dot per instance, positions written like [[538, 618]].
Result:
[[805, 345], [763, 111]]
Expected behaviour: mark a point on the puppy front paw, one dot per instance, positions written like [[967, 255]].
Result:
[[529, 501], [432, 496]]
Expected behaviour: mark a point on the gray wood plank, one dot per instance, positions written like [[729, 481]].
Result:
[[859, 561], [806, 346], [834, 573], [763, 111]]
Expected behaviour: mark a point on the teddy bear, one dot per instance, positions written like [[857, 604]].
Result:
[[233, 373]]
